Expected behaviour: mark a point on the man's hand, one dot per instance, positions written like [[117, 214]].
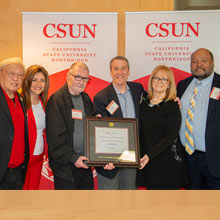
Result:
[[109, 166], [80, 164], [177, 99], [144, 160]]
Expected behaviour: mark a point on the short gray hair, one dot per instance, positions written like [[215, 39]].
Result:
[[119, 58], [80, 65]]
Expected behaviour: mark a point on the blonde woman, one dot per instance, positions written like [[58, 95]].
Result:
[[160, 120]]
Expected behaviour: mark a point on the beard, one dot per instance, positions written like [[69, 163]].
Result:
[[206, 72]]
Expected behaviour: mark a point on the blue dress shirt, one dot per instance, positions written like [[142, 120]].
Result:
[[126, 103], [201, 110]]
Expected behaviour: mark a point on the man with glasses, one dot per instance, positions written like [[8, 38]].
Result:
[[120, 99], [13, 127], [65, 112]]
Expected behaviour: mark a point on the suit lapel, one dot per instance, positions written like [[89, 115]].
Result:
[[4, 105], [113, 96], [183, 87], [135, 96], [32, 130], [212, 102], [31, 118]]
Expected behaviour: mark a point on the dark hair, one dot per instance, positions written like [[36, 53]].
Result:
[[119, 58], [29, 75]]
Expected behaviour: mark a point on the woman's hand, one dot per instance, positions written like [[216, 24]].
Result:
[[144, 160]]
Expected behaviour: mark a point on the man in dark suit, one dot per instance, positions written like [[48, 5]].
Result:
[[202, 143], [119, 99], [13, 126]]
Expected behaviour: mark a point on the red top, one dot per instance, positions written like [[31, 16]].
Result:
[[18, 146], [33, 176]]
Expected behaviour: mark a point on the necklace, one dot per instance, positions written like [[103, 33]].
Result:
[[153, 105], [150, 104]]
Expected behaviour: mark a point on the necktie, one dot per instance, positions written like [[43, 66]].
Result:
[[189, 142]]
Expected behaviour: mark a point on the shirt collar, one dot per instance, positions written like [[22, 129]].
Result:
[[118, 92], [205, 81]]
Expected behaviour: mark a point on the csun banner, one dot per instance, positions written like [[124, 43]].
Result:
[[154, 38], [56, 40]]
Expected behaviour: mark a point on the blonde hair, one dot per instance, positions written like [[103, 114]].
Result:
[[171, 91], [11, 61]]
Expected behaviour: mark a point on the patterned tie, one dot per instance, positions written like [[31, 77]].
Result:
[[189, 143]]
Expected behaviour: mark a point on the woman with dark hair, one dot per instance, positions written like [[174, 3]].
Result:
[[160, 118], [35, 91]]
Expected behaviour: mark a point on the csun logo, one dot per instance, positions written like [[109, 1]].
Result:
[[172, 29]]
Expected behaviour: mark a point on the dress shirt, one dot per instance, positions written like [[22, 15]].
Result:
[[126, 103], [201, 110]]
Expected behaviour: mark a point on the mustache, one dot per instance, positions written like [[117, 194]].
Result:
[[80, 86], [200, 68]]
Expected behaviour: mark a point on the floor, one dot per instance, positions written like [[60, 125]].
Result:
[[109, 205]]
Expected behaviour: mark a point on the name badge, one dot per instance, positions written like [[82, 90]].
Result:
[[215, 93], [112, 107], [77, 114]]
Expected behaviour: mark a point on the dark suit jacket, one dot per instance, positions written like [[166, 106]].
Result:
[[7, 134], [102, 100], [212, 134]]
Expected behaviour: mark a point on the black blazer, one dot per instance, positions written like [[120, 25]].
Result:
[[7, 134], [212, 133], [102, 100]]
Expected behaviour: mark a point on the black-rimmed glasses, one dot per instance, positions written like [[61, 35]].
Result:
[[157, 79], [79, 78]]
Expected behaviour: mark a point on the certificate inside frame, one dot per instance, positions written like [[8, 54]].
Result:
[[112, 140]]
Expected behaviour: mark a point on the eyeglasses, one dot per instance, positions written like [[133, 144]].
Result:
[[13, 74], [79, 78], [157, 79]]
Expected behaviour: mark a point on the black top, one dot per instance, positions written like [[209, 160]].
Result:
[[159, 127]]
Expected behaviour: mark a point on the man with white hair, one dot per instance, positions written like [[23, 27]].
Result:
[[13, 127]]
